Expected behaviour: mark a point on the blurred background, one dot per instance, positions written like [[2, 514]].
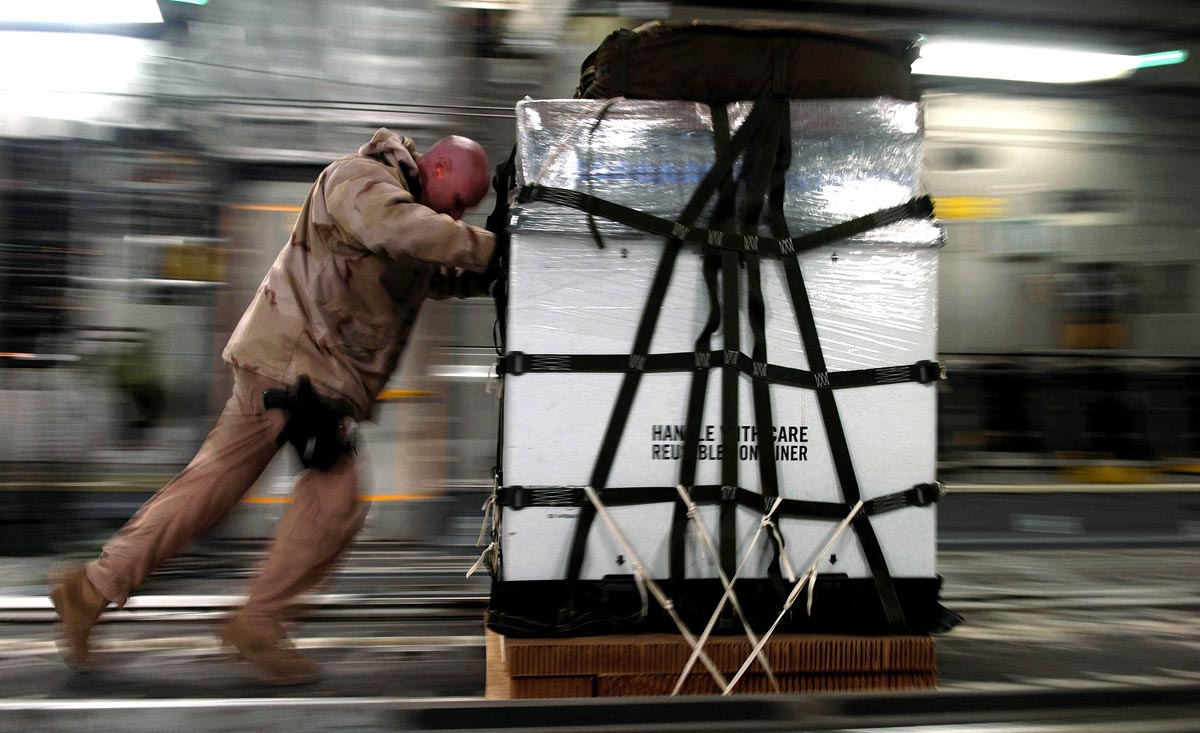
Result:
[[150, 172]]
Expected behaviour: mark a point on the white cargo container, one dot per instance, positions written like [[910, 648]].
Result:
[[874, 302]]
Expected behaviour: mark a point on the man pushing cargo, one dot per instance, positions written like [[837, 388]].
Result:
[[378, 234]]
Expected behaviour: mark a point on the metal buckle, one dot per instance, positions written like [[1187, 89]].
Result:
[[926, 494], [930, 371], [518, 496], [528, 193], [514, 363]]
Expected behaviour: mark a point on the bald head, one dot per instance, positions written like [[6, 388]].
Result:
[[454, 175]]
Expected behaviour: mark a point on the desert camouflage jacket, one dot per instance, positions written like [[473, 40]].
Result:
[[341, 298]]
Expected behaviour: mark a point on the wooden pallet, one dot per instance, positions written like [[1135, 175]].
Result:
[[649, 664]]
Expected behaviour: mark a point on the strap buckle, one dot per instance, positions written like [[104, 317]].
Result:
[[514, 497], [528, 193], [513, 363], [930, 371], [926, 494]]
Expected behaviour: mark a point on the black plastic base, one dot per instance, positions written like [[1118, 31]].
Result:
[[614, 606]]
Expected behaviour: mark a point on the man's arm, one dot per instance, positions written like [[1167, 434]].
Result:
[[380, 215]]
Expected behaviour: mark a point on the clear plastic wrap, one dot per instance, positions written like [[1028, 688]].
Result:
[[874, 306], [874, 300], [849, 158]]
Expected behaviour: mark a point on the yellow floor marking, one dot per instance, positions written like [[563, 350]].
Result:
[[369, 497], [266, 207], [389, 395]]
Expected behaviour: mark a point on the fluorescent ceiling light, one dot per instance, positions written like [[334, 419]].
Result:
[[72, 76], [79, 12], [1031, 63], [69, 62]]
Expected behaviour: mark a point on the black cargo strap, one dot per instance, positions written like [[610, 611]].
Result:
[[516, 363], [591, 218], [695, 418], [731, 333], [761, 389], [503, 182], [918, 208], [522, 497], [826, 400], [698, 391], [720, 171]]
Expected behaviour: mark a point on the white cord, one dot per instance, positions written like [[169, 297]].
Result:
[[712, 621], [784, 562], [491, 548], [640, 571], [710, 547], [809, 577], [487, 511], [492, 511], [495, 382]]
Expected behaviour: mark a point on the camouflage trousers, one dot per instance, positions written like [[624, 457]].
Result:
[[319, 524]]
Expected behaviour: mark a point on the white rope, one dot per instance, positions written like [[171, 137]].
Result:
[[488, 505], [490, 549], [639, 581], [784, 562], [809, 577], [492, 511], [712, 621], [495, 382], [710, 547], [639, 570]]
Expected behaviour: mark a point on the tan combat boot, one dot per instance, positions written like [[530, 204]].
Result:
[[78, 605], [269, 650]]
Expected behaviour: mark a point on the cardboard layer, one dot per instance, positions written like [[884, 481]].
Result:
[[668, 653], [758, 684], [531, 688], [639, 665], [501, 685], [642, 685]]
